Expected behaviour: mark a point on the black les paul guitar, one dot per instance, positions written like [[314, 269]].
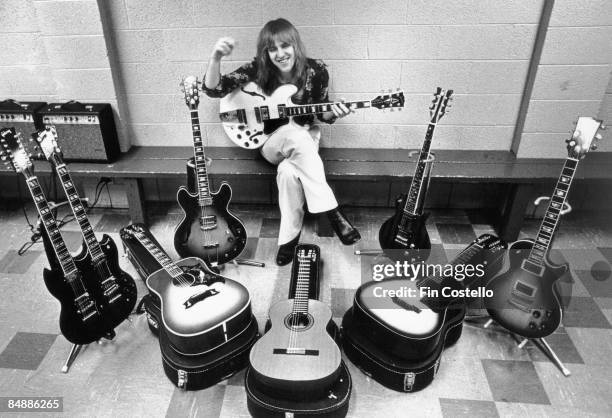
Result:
[[525, 295], [117, 290], [208, 230], [404, 235], [81, 320]]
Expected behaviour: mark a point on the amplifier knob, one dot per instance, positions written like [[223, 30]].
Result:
[[532, 325]]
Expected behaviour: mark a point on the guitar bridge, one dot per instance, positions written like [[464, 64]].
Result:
[[296, 351]]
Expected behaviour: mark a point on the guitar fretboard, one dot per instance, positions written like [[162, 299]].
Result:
[[464, 257], [204, 196], [300, 301], [160, 255], [549, 223], [57, 241], [416, 186], [310, 109], [79, 212]]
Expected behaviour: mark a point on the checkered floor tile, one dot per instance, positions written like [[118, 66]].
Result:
[[484, 375]]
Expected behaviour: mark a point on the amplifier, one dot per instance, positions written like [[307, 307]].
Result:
[[85, 131], [24, 118]]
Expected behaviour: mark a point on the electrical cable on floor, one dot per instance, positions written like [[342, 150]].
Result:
[[36, 234]]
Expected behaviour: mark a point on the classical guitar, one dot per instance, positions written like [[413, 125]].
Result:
[[81, 320], [117, 288], [525, 295], [412, 319], [200, 310], [404, 235], [249, 116], [208, 230], [297, 357]]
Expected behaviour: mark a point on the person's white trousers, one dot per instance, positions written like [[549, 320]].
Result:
[[300, 176]]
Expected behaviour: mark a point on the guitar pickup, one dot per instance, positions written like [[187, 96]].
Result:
[[295, 351], [208, 222]]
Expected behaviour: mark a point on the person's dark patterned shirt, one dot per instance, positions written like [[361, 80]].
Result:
[[315, 88]]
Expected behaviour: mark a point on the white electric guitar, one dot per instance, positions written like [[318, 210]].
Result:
[[249, 116]]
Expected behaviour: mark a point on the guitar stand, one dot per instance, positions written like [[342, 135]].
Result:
[[541, 343], [429, 161], [76, 349]]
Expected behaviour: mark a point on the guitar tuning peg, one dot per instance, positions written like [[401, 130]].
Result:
[[598, 136], [593, 147], [602, 127]]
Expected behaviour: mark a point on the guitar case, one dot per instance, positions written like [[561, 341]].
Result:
[[145, 264], [262, 403], [409, 365], [387, 368], [205, 370]]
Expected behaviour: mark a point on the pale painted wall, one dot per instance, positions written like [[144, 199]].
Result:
[[133, 53]]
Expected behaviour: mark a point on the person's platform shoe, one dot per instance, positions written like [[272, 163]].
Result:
[[347, 233], [285, 251]]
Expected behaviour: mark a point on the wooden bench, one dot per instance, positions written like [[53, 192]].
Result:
[[386, 172]]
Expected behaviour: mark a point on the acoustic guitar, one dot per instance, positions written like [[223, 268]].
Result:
[[200, 309], [297, 357]]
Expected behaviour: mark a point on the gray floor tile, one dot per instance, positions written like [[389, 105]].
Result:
[[26, 350], [467, 408], [514, 381]]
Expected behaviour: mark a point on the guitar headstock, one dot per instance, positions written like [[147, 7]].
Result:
[[189, 86], [490, 242], [440, 105], [585, 137], [13, 153], [389, 100], [47, 142], [132, 231]]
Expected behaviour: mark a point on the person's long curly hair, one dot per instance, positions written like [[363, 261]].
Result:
[[267, 73]]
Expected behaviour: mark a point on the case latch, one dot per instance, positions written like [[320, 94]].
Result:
[[182, 379], [409, 381]]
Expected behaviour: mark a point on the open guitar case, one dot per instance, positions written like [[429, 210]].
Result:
[[187, 372], [263, 403], [396, 367]]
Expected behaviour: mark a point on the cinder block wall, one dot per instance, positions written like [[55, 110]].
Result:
[[573, 77], [133, 54]]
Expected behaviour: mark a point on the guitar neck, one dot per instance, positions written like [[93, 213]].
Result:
[[160, 255], [311, 109], [57, 241], [464, 257], [300, 300], [549, 223], [79, 211], [414, 200], [204, 196]]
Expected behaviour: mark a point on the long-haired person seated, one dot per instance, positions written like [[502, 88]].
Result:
[[294, 147]]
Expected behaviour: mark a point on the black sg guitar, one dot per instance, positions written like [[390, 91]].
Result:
[[81, 320], [208, 230], [116, 289], [525, 295], [404, 235]]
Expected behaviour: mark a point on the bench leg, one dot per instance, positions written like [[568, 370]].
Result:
[[135, 198], [513, 211]]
